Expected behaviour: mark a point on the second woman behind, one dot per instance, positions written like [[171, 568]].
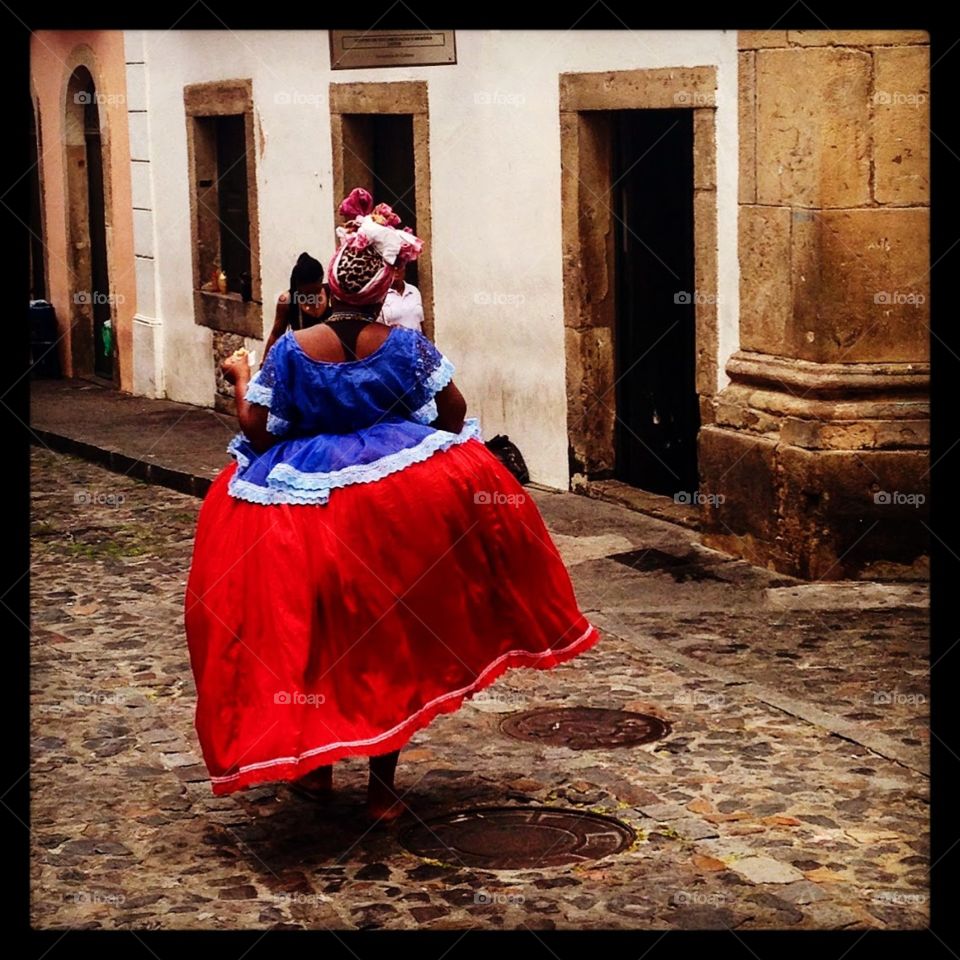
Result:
[[306, 302]]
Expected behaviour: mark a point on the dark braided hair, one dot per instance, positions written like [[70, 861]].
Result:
[[306, 270]]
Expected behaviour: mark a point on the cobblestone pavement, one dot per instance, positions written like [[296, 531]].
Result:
[[791, 791]]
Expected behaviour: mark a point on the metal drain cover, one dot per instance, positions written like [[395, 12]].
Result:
[[514, 838], [584, 728]]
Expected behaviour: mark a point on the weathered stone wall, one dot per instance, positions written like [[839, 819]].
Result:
[[818, 452]]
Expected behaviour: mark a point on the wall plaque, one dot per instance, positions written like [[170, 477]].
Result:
[[352, 49]]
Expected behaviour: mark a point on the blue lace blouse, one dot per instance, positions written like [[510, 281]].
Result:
[[354, 421]]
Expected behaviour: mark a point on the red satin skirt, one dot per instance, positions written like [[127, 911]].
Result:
[[320, 632]]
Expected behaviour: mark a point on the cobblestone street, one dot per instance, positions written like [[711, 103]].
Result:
[[791, 789]]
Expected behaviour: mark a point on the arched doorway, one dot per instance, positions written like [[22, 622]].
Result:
[[93, 323]]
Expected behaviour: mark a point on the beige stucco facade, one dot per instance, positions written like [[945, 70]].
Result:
[[55, 55]]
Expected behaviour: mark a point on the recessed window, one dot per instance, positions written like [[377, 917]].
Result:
[[222, 158], [222, 202]]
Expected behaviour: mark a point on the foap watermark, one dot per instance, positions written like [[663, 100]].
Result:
[[298, 98], [96, 896], [498, 298], [501, 898], [499, 497], [901, 897], [693, 697], [93, 297], [303, 899], [91, 96], [683, 297], [493, 700], [695, 98], [884, 697], [898, 498], [309, 299], [96, 698], [698, 898], [502, 696], [296, 698], [899, 98], [691, 497], [896, 297], [499, 98], [97, 498]]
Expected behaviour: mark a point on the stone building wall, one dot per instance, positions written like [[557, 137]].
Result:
[[819, 451]]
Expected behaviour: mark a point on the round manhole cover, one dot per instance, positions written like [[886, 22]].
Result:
[[514, 838], [584, 728]]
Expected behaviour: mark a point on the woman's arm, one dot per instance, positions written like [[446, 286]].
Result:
[[253, 419], [279, 321], [451, 409], [251, 416]]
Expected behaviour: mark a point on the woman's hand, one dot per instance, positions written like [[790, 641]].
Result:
[[236, 366], [252, 417]]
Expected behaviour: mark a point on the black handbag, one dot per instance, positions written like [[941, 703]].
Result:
[[507, 452]]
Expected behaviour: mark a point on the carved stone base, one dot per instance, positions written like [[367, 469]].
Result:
[[820, 470]]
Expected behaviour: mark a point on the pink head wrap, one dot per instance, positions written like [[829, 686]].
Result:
[[373, 227]]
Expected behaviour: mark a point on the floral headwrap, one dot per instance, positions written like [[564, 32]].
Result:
[[371, 246]]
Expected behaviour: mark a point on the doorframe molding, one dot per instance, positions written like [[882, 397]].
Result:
[[408, 97], [589, 309], [35, 106]]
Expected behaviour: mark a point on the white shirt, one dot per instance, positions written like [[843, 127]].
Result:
[[403, 309]]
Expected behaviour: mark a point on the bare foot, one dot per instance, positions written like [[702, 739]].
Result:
[[384, 809], [383, 804], [317, 784]]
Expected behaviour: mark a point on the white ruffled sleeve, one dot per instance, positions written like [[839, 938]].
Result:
[[269, 388], [432, 372]]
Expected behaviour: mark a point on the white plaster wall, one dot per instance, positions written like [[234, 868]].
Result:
[[495, 171]]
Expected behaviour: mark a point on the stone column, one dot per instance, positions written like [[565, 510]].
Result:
[[816, 463]]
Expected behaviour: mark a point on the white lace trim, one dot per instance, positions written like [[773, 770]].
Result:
[[262, 396], [286, 484], [437, 380], [277, 425], [233, 448], [441, 376], [259, 394], [427, 413]]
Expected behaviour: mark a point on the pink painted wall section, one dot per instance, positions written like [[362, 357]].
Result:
[[54, 55]]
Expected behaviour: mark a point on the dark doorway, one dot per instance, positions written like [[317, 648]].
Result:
[[658, 414], [92, 320], [97, 224], [379, 156]]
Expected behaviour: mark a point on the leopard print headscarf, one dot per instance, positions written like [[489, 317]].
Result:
[[359, 276], [356, 268]]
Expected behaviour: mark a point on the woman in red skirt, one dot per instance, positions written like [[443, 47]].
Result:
[[366, 563]]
